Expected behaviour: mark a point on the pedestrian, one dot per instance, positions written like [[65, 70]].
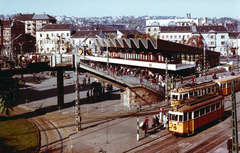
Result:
[[192, 79], [146, 125], [163, 85], [89, 80], [88, 96], [181, 78], [229, 145], [141, 79], [154, 122]]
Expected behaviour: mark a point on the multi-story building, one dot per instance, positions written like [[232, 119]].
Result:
[[234, 42], [87, 38], [12, 33], [54, 38], [34, 21]]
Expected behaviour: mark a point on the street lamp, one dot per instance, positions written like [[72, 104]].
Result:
[[204, 55]]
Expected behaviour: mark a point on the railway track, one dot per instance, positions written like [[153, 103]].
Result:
[[51, 137], [168, 143]]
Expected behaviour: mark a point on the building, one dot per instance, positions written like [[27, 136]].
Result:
[[86, 38], [128, 33], [34, 21], [234, 42], [12, 33], [54, 38]]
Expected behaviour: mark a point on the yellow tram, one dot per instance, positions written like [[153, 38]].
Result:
[[192, 90], [193, 113], [225, 84]]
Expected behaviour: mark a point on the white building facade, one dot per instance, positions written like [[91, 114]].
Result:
[[54, 38]]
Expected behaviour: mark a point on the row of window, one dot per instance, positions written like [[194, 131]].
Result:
[[196, 113], [52, 35], [194, 93], [175, 36], [228, 84]]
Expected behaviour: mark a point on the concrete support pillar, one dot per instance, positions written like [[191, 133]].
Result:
[[60, 88]]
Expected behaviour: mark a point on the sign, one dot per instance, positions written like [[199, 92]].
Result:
[[160, 109]]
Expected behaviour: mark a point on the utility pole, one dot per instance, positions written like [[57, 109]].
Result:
[[166, 81], [234, 121]]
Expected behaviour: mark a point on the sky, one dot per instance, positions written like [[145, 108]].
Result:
[[100, 8]]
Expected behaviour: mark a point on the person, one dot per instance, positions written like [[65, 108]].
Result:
[[192, 79], [154, 122], [146, 126], [88, 96], [141, 80], [232, 73], [89, 80], [229, 145], [163, 86], [181, 78]]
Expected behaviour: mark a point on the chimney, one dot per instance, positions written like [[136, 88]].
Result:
[[189, 15]]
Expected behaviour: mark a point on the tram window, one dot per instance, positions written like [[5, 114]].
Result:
[[208, 90], [196, 113], [217, 105], [185, 117], [180, 97], [212, 107], [190, 94], [180, 118], [200, 92], [203, 91], [190, 115], [196, 93], [175, 97], [174, 117], [207, 109], [202, 111], [185, 96], [228, 84]]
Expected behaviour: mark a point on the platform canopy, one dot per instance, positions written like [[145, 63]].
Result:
[[151, 44]]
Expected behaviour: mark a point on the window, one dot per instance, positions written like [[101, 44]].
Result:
[[162, 37], [202, 111], [149, 29], [6, 33], [190, 115], [179, 37], [40, 35], [196, 113], [180, 118], [217, 105], [174, 117], [212, 43], [212, 37], [190, 94], [196, 93], [223, 43], [212, 107], [155, 29], [222, 36], [175, 97], [175, 36], [89, 41], [67, 34], [171, 37], [185, 117], [52, 35], [207, 109]]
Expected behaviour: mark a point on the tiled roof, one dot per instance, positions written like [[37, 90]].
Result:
[[234, 35], [129, 32], [84, 28], [6, 24], [56, 27], [23, 17], [27, 17], [42, 17], [85, 33], [203, 29], [175, 28]]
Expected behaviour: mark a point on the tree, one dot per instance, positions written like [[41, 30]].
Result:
[[111, 35], [137, 35], [9, 93]]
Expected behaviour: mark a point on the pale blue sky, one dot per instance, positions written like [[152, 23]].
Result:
[[100, 8]]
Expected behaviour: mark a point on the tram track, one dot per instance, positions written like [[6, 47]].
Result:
[[168, 143], [51, 139]]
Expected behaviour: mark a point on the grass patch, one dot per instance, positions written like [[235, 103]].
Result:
[[17, 135]]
